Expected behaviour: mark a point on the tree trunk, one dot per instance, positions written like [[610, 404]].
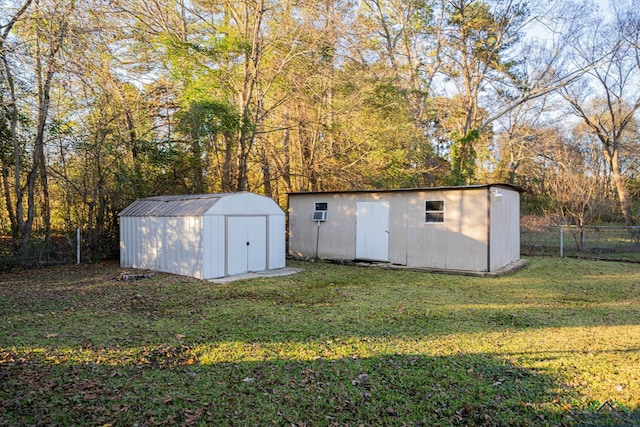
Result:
[[621, 188], [266, 170], [46, 202], [286, 146], [227, 164], [44, 78], [15, 216], [6, 191]]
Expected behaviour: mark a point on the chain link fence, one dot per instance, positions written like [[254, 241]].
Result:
[[595, 242], [63, 248]]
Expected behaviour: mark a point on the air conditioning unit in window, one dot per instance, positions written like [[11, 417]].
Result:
[[319, 215]]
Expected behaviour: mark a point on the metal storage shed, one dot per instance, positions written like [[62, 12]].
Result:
[[204, 236], [472, 228]]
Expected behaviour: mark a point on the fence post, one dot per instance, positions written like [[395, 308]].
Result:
[[561, 242], [78, 246]]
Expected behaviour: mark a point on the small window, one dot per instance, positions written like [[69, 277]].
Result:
[[434, 211], [321, 206]]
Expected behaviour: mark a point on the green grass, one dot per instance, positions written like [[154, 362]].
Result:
[[332, 345]]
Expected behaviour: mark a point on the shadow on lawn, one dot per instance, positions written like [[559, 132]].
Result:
[[169, 388]]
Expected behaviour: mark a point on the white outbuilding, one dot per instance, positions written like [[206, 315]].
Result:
[[205, 236], [473, 228]]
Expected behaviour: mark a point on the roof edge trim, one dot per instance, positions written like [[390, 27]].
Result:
[[390, 190]]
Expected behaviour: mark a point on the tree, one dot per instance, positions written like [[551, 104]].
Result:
[[43, 36], [523, 135], [477, 41], [496, 70], [576, 186], [9, 138], [406, 36], [610, 113]]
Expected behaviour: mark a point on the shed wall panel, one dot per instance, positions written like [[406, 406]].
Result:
[[334, 238], [398, 223], [146, 250], [213, 246], [505, 229], [245, 204], [277, 242], [128, 242], [164, 244], [135, 255], [181, 245], [458, 243]]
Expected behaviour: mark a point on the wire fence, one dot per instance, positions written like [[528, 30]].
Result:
[[63, 248], [596, 242]]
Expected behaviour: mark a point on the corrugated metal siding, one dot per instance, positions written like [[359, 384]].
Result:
[[181, 244], [213, 247], [128, 247], [276, 242], [147, 243], [138, 243], [169, 244]]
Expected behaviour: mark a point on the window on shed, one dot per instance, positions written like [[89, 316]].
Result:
[[434, 211]]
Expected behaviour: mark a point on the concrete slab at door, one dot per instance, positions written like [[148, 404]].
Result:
[[246, 244], [372, 231]]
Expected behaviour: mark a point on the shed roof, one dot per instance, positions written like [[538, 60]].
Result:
[[183, 205], [241, 203], [465, 187]]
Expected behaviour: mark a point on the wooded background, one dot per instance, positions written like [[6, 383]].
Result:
[[106, 101]]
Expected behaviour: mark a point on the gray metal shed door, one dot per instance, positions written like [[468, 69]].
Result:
[[246, 244], [372, 231]]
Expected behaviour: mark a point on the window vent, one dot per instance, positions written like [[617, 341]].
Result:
[[319, 215]]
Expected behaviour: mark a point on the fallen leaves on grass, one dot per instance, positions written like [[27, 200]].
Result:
[[362, 382], [166, 356]]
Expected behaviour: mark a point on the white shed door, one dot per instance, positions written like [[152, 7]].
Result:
[[372, 231], [246, 244]]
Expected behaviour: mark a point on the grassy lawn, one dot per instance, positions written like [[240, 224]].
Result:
[[332, 345]]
